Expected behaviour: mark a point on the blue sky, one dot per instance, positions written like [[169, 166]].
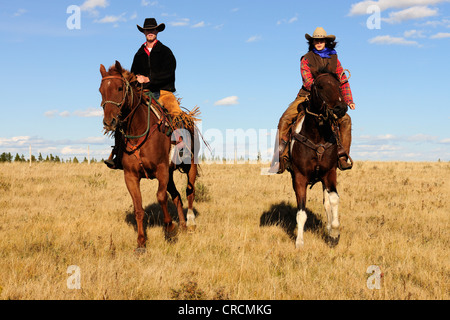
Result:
[[238, 60]]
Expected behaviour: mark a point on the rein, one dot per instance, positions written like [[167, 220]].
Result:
[[134, 149], [327, 117], [121, 104]]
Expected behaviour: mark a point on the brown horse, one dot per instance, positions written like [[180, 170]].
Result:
[[147, 148], [314, 152]]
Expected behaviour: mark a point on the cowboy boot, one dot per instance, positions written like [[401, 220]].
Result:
[[115, 162], [345, 133]]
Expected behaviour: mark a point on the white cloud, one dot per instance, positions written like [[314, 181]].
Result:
[[51, 113], [393, 40], [93, 140], [441, 35], [112, 19], [414, 34], [180, 23], [91, 5], [145, 3], [420, 137], [14, 141], [254, 38], [361, 7], [416, 12], [417, 147], [19, 12], [438, 23], [88, 113], [199, 25], [383, 137], [291, 20], [99, 146], [73, 151], [228, 101]]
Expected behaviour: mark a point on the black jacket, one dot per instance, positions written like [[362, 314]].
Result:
[[159, 67]]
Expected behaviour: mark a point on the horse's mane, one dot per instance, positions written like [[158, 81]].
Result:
[[129, 76], [325, 70]]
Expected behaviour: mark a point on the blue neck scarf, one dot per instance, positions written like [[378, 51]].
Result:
[[325, 53]]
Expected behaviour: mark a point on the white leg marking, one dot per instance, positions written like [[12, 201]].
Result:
[[327, 205], [190, 218], [301, 219], [334, 203]]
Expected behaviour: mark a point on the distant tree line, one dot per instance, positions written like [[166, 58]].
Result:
[[8, 157]]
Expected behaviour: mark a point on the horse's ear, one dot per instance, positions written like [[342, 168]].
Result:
[[118, 67], [103, 71]]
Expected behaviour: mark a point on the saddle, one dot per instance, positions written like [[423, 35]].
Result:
[[185, 120], [319, 148]]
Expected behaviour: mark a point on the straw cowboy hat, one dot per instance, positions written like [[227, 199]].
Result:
[[320, 33], [151, 24]]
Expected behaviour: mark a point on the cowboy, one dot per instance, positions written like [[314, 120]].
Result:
[[321, 55], [154, 66]]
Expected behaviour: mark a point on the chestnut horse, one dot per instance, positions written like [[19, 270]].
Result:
[[314, 152], [147, 148]]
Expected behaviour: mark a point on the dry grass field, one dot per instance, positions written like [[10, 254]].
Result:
[[393, 215]]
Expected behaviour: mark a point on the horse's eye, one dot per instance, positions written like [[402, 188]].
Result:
[[120, 88]]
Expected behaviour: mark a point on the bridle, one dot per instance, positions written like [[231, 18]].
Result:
[[127, 88], [327, 112], [121, 104]]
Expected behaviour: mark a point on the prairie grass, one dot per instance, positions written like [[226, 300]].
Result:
[[394, 215]]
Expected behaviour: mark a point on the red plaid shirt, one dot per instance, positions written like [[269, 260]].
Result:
[[308, 80]]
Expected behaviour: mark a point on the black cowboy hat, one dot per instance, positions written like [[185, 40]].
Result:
[[151, 24]]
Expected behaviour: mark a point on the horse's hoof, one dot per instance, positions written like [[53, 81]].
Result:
[[140, 251], [191, 228], [183, 227], [333, 242], [171, 235]]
